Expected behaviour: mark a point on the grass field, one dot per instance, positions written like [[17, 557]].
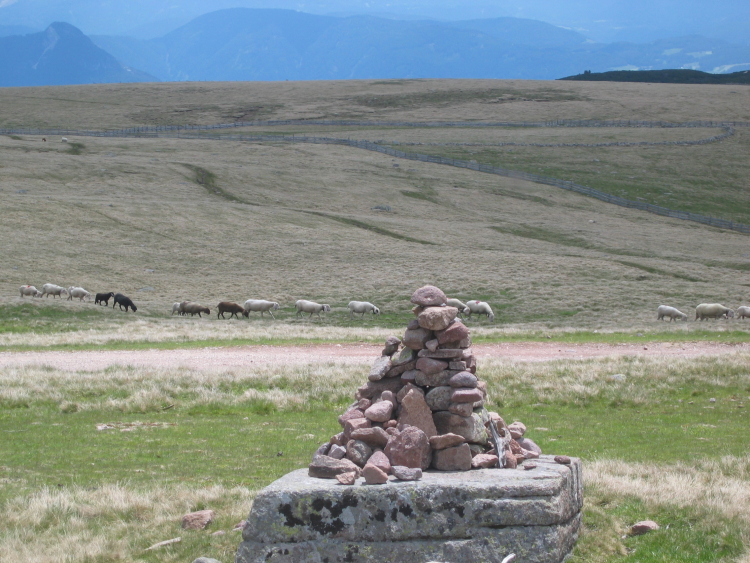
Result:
[[95, 466]]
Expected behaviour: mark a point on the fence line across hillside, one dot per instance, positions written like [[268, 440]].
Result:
[[184, 132]]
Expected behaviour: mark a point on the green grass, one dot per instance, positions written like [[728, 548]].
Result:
[[660, 175], [251, 444]]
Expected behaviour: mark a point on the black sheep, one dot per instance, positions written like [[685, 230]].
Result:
[[103, 298], [121, 300]]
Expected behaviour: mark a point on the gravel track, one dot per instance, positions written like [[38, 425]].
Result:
[[243, 356]]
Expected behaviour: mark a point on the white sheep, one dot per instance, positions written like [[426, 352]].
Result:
[[64, 139], [362, 307], [53, 290], [480, 308], [743, 312], [78, 292], [176, 308], [712, 311], [304, 306], [255, 305], [671, 313], [30, 290], [460, 305]]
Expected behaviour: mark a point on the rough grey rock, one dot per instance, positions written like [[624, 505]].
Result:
[[469, 427], [479, 515], [439, 398], [379, 368]]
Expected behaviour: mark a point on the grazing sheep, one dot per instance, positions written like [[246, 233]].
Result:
[[461, 306], [78, 292], [64, 139], [743, 312], [103, 298], [187, 307], [175, 308], [254, 305], [712, 311], [671, 312], [362, 307], [53, 290], [480, 308], [228, 307], [304, 306], [121, 300], [30, 290]]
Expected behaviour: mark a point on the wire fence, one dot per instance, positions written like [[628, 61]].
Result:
[[189, 132]]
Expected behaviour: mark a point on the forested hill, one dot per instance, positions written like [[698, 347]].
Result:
[[667, 76]]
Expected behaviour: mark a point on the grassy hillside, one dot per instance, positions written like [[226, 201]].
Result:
[[164, 220]]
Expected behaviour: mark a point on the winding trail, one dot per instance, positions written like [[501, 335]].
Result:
[[213, 359]]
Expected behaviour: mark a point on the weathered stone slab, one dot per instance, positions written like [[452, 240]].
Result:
[[479, 515]]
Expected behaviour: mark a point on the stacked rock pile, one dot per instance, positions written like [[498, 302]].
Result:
[[423, 407]]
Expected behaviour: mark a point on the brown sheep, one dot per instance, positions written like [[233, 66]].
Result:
[[194, 309], [229, 307]]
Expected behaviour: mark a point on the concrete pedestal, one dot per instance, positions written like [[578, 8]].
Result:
[[472, 516]]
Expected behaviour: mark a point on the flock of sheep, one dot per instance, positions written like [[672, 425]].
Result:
[[703, 311], [234, 309], [664, 312], [304, 306]]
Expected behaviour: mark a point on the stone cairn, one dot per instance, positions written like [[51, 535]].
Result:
[[423, 407]]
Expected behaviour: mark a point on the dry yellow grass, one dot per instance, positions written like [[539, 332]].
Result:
[[113, 522], [163, 220]]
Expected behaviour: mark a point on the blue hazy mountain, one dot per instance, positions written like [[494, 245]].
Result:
[[59, 55], [635, 21], [246, 44]]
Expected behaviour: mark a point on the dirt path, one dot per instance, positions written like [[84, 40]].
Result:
[[241, 356]]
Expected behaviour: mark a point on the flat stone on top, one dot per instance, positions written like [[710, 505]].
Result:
[[429, 296]]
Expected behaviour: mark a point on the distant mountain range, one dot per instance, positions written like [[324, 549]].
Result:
[[60, 55], [249, 44]]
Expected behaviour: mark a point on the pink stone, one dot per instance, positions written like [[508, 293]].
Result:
[[374, 475], [428, 296], [432, 345], [429, 366], [380, 460], [447, 354], [324, 467], [444, 441], [391, 345], [463, 395], [483, 461], [390, 424], [461, 409], [415, 412], [351, 414], [517, 429], [348, 478], [374, 437], [454, 332], [380, 412], [363, 405], [388, 395], [406, 473], [437, 318], [408, 387], [403, 368], [354, 424], [198, 520], [463, 379], [409, 447], [457, 458], [416, 339]]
